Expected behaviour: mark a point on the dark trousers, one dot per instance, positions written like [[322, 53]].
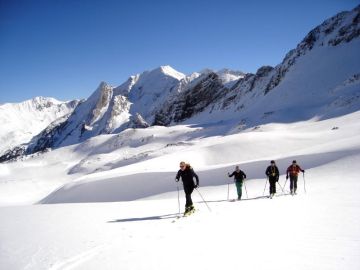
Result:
[[188, 190], [293, 182], [239, 185], [272, 182]]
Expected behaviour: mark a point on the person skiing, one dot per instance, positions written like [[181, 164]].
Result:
[[272, 173], [239, 176], [187, 174], [293, 171]]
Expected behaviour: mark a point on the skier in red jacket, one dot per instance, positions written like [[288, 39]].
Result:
[[293, 171]]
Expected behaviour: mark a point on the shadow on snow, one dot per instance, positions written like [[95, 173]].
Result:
[[160, 217], [245, 199]]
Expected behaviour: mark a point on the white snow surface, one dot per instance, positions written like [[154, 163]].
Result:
[[228, 77], [109, 201], [112, 203], [22, 121], [150, 89]]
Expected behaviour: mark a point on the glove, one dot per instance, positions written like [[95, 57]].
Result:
[[196, 185], [303, 171], [176, 180], [287, 177]]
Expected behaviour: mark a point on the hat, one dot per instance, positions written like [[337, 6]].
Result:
[[294, 161], [272, 161]]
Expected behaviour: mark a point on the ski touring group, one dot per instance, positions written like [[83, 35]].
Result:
[[187, 175]]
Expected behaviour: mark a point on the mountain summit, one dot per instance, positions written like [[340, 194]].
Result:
[[319, 79]]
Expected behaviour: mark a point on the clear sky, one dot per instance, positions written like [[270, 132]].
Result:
[[64, 49]]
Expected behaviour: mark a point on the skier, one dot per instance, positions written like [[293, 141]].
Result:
[[187, 174], [293, 170], [272, 173], [239, 176]]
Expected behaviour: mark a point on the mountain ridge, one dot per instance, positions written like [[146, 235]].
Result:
[[21, 121], [300, 87]]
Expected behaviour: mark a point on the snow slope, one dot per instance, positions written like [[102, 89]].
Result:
[[151, 158], [109, 201], [313, 230], [152, 88], [21, 121]]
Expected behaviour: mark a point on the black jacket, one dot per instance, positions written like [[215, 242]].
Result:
[[272, 172], [239, 176], [187, 176]]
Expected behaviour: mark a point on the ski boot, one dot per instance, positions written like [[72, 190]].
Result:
[[189, 210]]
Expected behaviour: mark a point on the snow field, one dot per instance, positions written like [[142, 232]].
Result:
[[110, 202], [316, 230]]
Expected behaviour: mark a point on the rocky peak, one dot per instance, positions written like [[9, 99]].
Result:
[[104, 95], [340, 28]]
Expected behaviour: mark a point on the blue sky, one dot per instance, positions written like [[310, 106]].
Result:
[[64, 49]]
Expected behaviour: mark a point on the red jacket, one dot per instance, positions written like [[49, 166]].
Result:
[[293, 170]]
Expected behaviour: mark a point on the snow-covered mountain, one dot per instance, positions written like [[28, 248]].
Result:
[[110, 109], [21, 121], [150, 89], [110, 201], [105, 219], [318, 79], [229, 77], [301, 87]]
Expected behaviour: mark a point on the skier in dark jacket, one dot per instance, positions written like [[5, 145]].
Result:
[[272, 173], [239, 176], [293, 170], [187, 174]]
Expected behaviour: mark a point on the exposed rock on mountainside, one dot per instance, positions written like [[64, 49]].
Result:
[[318, 79]]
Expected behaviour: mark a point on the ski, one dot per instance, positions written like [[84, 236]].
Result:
[[185, 215]]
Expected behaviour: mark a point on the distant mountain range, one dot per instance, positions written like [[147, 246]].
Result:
[[20, 122], [318, 79]]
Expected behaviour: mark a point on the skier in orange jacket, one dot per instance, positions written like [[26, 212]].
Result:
[[293, 171]]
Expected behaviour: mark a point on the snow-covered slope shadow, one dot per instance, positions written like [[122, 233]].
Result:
[[142, 185]]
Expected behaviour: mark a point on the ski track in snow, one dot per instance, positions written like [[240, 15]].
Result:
[[75, 261]]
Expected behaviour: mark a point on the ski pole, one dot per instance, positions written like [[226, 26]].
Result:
[[178, 198], [285, 183], [265, 185], [280, 187], [304, 182], [246, 190], [203, 199], [228, 191]]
